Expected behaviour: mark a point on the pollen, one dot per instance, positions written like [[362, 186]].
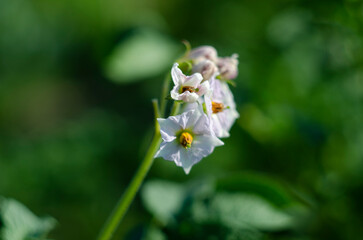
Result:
[[187, 88], [217, 107], [186, 140]]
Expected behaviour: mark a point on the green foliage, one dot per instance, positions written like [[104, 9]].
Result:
[[18, 223], [238, 210], [262, 185], [163, 199], [144, 54], [246, 213]]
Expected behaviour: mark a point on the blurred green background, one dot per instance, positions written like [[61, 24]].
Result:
[[76, 80]]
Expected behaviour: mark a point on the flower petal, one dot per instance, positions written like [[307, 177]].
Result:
[[203, 145], [218, 127], [177, 75], [168, 128], [193, 80], [193, 118], [204, 88], [182, 119], [222, 121], [169, 151], [185, 161], [189, 97], [203, 125]]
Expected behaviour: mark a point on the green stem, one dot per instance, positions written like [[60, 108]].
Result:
[[175, 109], [155, 103], [126, 199], [164, 94]]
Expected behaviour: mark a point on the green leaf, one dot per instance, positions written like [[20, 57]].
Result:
[[21, 224], [154, 233], [144, 54], [267, 187], [163, 199], [241, 211]]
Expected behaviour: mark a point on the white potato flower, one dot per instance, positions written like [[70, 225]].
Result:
[[187, 88], [221, 108], [187, 138]]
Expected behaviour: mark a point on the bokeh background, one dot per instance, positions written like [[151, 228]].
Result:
[[76, 82]]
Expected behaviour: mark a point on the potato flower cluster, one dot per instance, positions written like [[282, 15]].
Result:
[[208, 111]]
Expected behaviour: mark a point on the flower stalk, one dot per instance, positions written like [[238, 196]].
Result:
[[129, 194], [126, 199]]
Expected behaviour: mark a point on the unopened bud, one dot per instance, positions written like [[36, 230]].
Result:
[[207, 68], [228, 67], [203, 53]]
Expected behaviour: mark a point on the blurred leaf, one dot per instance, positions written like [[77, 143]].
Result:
[[245, 234], [21, 224], [264, 186], [163, 199], [144, 54], [246, 210], [145, 232], [154, 233]]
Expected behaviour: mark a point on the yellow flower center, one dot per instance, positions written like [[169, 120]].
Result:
[[187, 88], [217, 107], [186, 140]]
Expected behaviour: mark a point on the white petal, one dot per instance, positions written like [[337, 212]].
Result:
[[185, 161], [193, 80], [169, 151], [185, 96], [174, 93], [223, 121], [204, 88], [177, 75], [218, 128], [208, 104], [191, 106], [188, 97], [228, 117], [204, 145], [182, 119], [168, 129], [187, 170], [203, 125], [193, 118]]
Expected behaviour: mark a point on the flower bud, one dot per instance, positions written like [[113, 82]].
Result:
[[207, 68], [228, 67], [203, 53]]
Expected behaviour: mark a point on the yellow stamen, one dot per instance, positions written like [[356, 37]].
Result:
[[186, 140], [217, 107], [187, 88]]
